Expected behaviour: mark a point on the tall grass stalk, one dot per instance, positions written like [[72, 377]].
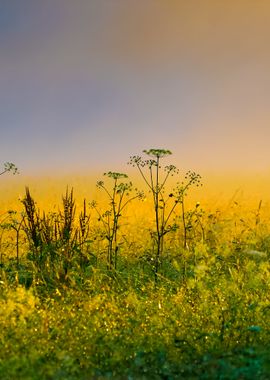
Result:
[[119, 196]]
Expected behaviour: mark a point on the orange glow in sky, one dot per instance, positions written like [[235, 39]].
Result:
[[86, 84]]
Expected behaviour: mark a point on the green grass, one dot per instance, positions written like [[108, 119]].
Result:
[[188, 301], [211, 322]]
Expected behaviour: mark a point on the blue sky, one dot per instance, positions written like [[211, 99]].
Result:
[[85, 84]]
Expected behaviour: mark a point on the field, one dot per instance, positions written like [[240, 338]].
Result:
[[121, 289]]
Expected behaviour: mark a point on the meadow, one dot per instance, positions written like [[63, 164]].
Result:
[[159, 279]]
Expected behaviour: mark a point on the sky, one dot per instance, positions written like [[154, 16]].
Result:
[[85, 84]]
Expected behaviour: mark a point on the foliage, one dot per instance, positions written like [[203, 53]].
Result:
[[119, 197], [57, 243], [9, 167], [164, 202], [65, 314]]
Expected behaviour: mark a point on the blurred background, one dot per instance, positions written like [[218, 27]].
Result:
[[85, 84]]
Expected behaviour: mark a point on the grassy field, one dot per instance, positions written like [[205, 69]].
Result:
[[86, 294]]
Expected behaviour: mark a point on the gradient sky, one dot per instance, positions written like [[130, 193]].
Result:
[[85, 84]]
